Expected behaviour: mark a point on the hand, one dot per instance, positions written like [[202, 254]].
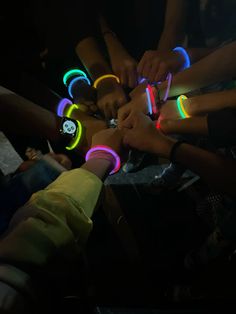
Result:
[[155, 65], [169, 111], [109, 137], [137, 104], [85, 96], [110, 97], [139, 90], [125, 67], [62, 160], [141, 133]]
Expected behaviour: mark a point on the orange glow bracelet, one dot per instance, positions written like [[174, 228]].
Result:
[[103, 77]]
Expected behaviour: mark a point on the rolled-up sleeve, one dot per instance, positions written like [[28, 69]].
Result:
[[57, 218]]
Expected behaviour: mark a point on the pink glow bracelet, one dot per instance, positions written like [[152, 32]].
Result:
[[101, 151]]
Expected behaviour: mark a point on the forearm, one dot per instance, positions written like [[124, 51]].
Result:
[[218, 172], [98, 167], [173, 33], [196, 54], [93, 60], [203, 104], [194, 125], [112, 42], [216, 67], [21, 116]]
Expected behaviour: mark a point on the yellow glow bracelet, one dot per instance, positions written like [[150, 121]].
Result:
[[181, 108], [103, 77], [70, 110], [77, 138]]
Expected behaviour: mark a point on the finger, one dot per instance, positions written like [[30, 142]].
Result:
[[127, 138], [145, 59], [123, 113], [107, 111], [128, 123], [124, 78], [132, 78], [121, 101], [162, 72], [154, 70], [147, 69], [140, 65], [114, 109]]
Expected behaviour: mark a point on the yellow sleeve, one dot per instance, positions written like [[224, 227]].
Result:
[[56, 218]]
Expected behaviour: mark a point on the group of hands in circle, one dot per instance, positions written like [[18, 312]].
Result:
[[135, 129]]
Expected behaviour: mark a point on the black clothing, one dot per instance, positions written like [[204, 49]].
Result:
[[222, 127]]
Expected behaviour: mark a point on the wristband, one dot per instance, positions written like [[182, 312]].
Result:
[[101, 149], [184, 53], [180, 106], [169, 80], [75, 141], [62, 105], [71, 73], [71, 109], [77, 79], [103, 77], [152, 108], [173, 150]]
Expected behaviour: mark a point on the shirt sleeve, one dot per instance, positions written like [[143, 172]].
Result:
[[222, 127], [56, 219]]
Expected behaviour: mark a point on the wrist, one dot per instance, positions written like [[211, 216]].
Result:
[[192, 106], [168, 126], [99, 167], [184, 57], [105, 153], [162, 146], [106, 80]]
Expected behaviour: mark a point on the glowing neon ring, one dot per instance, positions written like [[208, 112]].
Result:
[[103, 77], [108, 150], [71, 73], [181, 108], [62, 105], [76, 140], [184, 53], [76, 79]]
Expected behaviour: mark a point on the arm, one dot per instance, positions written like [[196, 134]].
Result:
[[216, 67], [217, 171], [19, 115], [110, 94], [198, 105], [92, 58], [173, 33], [58, 218], [155, 64], [27, 118], [203, 104], [123, 65]]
